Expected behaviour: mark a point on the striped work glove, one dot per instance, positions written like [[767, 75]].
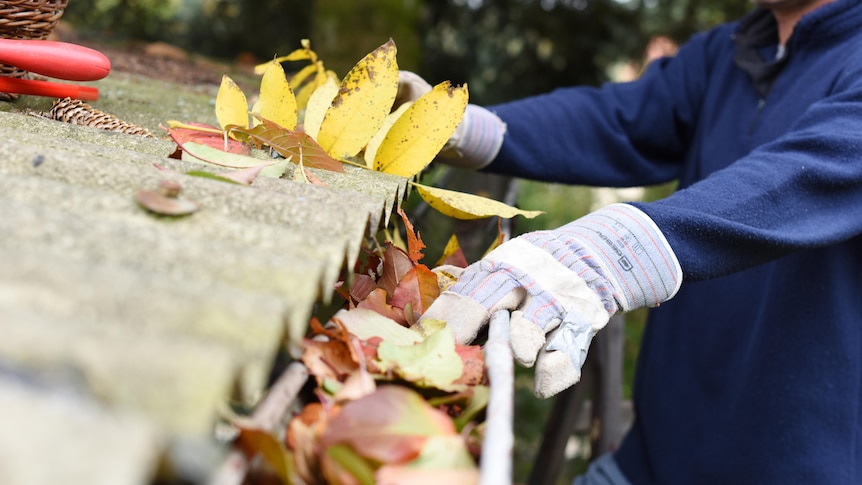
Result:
[[477, 139], [562, 286]]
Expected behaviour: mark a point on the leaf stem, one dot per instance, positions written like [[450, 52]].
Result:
[[186, 126]]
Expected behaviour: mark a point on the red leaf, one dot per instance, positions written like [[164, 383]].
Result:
[[396, 264], [414, 242], [452, 254], [455, 259], [376, 301], [212, 140], [332, 359], [362, 286], [390, 425], [418, 288], [474, 364]]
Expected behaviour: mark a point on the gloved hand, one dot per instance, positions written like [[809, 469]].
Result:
[[477, 139], [562, 286]]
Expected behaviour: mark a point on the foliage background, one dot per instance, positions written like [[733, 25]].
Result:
[[503, 49]]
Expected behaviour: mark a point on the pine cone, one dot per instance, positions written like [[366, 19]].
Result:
[[78, 112]]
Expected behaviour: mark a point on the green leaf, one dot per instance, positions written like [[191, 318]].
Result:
[[444, 459], [211, 156], [430, 363], [211, 176], [342, 459], [366, 324]]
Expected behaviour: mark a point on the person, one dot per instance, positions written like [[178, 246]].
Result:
[[750, 370]]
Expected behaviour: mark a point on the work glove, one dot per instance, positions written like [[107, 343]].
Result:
[[561, 287], [477, 139]]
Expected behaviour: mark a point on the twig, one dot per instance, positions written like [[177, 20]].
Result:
[[267, 416], [496, 463]]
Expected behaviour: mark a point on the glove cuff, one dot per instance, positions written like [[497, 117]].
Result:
[[476, 141], [631, 253]]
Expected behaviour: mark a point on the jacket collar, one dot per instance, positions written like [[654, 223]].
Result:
[[837, 19], [759, 29], [756, 31]]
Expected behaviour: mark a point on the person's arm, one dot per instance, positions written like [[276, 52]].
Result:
[[621, 134], [802, 191]]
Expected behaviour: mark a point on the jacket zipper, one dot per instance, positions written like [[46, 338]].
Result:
[[760, 104]]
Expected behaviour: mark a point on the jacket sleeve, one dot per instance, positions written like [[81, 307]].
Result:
[[617, 135], [801, 191]]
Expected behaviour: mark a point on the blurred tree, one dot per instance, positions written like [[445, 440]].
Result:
[[263, 28], [343, 31], [511, 48], [506, 49], [217, 28], [137, 19]]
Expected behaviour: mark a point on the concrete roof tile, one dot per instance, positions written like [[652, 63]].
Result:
[[161, 319]]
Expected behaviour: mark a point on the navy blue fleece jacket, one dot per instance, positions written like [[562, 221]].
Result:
[[752, 374]]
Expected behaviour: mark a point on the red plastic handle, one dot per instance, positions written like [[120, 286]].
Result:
[[60, 60], [45, 88]]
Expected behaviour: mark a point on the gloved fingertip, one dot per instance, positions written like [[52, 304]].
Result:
[[554, 374], [526, 339]]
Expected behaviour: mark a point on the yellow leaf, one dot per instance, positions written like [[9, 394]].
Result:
[[300, 77], [231, 106], [305, 92], [255, 111], [303, 54], [362, 103], [377, 139], [277, 102], [419, 135], [318, 103], [468, 206]]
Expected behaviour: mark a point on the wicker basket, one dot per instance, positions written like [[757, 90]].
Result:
[[27, 19]]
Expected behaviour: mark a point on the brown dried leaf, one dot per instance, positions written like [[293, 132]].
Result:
[[158, 203], [294, 145], [377, 302], [418, 288], [396, 264], [414, 242]]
